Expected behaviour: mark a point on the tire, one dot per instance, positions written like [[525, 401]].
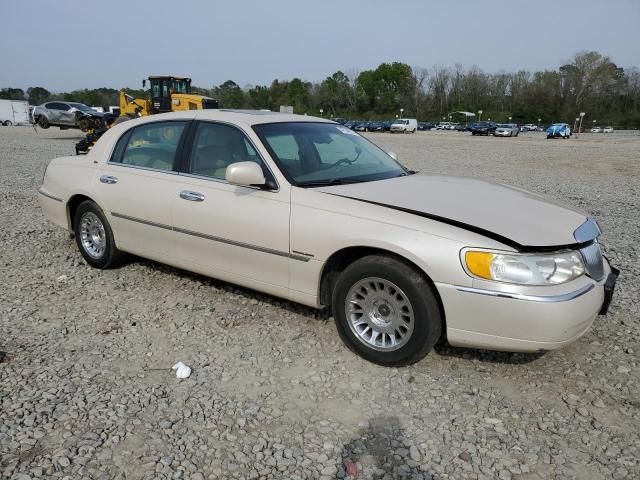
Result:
[[94, 236], [8, 123], [394, 286], [43, 122]]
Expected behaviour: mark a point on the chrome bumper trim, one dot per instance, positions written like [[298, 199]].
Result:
[[49, 196], [531, 298]]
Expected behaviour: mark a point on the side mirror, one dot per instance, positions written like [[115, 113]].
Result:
[[393, 155], [245, 173]]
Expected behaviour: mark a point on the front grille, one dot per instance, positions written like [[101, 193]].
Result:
[[593, 261]]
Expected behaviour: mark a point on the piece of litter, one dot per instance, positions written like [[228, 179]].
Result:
[[182, 371]]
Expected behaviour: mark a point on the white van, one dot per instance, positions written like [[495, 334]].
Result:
[[404, 125]]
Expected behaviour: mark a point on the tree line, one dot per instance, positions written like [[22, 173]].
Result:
[[589, 83]]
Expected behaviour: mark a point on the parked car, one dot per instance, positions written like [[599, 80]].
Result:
[[529, 127], [506, 130], [596, 130], [64, 115], [351, 124], [404, 125], [607, 130], [559, 130], [483, 128], [375, 127], [386, 125], [361, 127], [423, 126], [302, 208]]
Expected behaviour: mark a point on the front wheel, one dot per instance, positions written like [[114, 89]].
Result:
[[43, 122], [8, 123], [386, 311], [94, 236]]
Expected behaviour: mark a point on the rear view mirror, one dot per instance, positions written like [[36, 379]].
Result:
[[245, 173]]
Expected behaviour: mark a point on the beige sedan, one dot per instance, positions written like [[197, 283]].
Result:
[[305, 209]]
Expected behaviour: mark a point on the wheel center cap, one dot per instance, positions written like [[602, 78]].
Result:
[[384, 310]]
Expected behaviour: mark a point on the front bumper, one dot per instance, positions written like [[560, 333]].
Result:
[[525, 322]]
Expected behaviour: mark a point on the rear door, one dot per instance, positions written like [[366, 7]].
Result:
[[137, 186]]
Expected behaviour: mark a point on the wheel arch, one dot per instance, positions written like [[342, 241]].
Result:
[[341, 259], [72, 206]]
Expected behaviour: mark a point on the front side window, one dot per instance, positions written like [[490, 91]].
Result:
[[152, 145], [312, 154], [216, 146]]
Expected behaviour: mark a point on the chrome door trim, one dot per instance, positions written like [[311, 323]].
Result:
[[139, 220], [44, 194], [258, 248], [564, 297]]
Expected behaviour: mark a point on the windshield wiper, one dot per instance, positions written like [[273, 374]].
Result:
[[328, 183]]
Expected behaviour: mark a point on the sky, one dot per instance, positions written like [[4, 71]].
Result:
[[64, 45]]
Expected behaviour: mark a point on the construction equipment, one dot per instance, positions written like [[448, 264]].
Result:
[[166, 94]]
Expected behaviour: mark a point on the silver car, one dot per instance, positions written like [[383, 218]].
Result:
[[61, 114], [506, 130]]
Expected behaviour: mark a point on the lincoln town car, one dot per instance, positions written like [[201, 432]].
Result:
[[305, 209]]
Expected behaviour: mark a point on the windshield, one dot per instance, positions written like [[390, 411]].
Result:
[[80, 106], [313, 154], [401, 122]]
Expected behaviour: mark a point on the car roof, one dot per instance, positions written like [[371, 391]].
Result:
[[244, 117]]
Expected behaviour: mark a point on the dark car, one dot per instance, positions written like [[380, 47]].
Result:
[[375, 127], [350, 124], [362, 127], [386, 125], [483, 128], [425, 126]]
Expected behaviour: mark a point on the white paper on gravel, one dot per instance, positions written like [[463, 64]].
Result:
[[182, 371]]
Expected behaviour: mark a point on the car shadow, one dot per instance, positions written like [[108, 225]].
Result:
[[442, 348], [376, 449], [322, 315], [488, 356]]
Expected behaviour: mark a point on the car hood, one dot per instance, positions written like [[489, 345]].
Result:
[[513, 216]]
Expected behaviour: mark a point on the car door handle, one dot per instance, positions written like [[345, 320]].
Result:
[[108, 179], [191, 196]]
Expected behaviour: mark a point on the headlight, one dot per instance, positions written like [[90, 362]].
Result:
[[524, 269]]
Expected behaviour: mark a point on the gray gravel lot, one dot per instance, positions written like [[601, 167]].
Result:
[[86, 389]]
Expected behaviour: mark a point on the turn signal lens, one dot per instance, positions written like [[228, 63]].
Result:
[[479, 263]]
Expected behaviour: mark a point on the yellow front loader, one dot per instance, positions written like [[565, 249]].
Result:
[[166, 94]]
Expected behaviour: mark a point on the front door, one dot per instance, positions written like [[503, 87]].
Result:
[[235, 233], [136, 188]]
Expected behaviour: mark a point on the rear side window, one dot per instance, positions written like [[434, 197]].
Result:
[[153, 145]]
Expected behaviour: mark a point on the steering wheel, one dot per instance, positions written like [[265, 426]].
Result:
[[340, 162]]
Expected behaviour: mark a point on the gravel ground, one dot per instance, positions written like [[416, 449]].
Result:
[[87, 390]]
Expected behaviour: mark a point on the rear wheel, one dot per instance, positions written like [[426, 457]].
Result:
[[386, 311], [8, 123], [94, 236], [43, 122]]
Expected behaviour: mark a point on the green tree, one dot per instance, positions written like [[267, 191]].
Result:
[[38, 95], [12, 94], [229, 95]]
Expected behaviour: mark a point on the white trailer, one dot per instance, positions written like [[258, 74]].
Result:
[[14, 112]]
